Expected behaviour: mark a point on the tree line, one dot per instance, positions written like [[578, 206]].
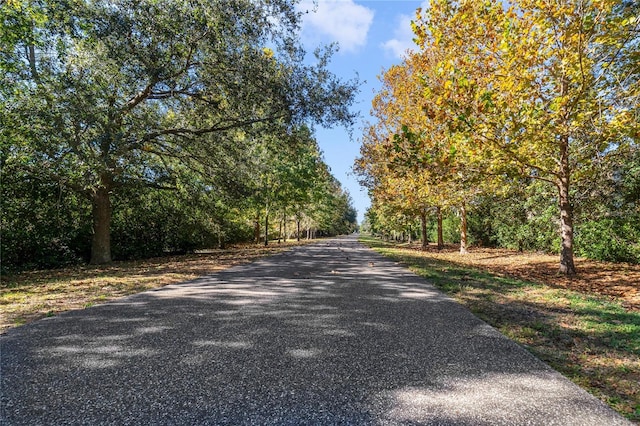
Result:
[[136, 128], [515, 123]]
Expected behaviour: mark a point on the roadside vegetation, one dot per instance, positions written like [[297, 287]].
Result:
[[520, 121], [586, 327], [136, 129]]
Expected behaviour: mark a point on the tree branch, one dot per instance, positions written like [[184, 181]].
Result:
[[185, 132], [166, 94], [141, 96]]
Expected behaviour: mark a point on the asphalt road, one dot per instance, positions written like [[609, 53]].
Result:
[[329, 333]]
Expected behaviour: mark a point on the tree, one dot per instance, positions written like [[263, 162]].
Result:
[[415, 157], [110, 95], [545, 102], [395, 165]]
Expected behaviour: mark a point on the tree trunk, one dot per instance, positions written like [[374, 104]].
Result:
[[298, 231], [256, 229], [284, 222], [567, 266], [280, 232], [266, 229], [463, 229], [440, 239], [410, 235], [101, 239], [31, 53], [423, 224]]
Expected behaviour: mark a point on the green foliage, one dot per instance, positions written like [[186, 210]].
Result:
[[525, 218], [608, 226], [43, 224], [450, 229], [336, 216], [152, 223], [610, 239], [103, 97], [121, 102]]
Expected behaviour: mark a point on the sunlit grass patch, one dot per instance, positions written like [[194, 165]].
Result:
[[587, 328]]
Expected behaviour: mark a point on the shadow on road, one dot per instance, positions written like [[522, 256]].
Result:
[[328, 333]]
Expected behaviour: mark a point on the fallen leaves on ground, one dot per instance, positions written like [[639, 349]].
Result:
[[617, 281]]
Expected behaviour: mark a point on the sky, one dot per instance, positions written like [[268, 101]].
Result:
[[372, 36]]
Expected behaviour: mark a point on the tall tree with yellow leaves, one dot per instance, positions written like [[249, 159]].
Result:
[[550, 98]]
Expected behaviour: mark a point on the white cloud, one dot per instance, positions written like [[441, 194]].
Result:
[[403, 35], [343, 21]]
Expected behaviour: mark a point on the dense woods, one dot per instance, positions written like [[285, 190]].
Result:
[[512, 124], [135, 128]]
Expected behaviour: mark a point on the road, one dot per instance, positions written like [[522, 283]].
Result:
[[329, 333]]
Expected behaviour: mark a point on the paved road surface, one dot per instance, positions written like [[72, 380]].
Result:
[[329, 333]]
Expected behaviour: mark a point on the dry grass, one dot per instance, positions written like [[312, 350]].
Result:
[[31, 295], [587, 327]]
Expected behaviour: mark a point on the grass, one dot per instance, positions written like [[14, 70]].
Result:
[[31, 295], [588, 328]]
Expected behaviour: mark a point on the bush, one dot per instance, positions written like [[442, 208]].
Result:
[[46, 226], [609, 239], [151, 223], [43, 225]]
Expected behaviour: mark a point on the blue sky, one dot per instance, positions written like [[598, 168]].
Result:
[[372, 36]]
